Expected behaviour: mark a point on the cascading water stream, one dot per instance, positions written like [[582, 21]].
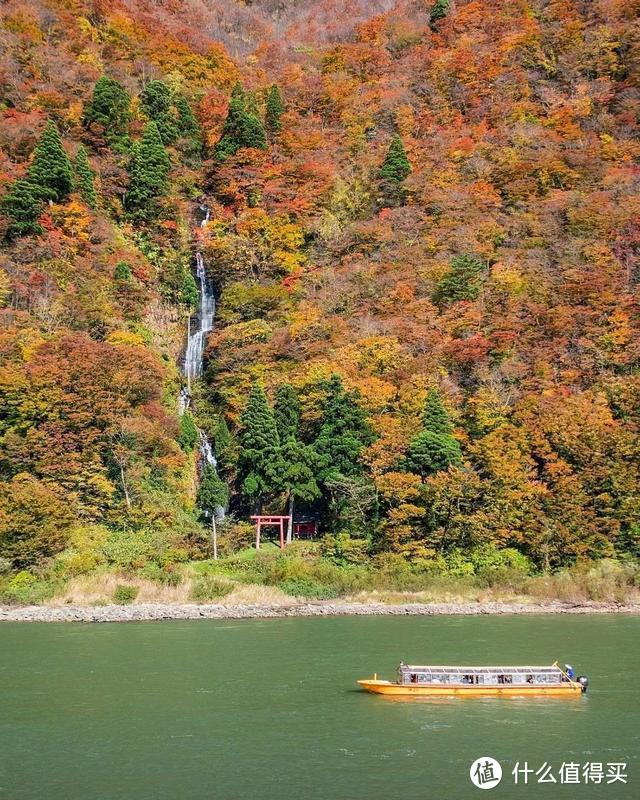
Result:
[[194, 352]]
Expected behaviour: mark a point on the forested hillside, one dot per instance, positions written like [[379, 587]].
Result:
[[424, 237]]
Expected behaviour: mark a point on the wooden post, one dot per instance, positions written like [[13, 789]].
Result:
[[215, 537], [290, 520], [281, 533], [257, 534]]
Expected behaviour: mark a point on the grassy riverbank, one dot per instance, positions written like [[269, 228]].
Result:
[[316, 572]]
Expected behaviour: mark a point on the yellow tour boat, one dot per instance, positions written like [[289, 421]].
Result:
[[414, 681]]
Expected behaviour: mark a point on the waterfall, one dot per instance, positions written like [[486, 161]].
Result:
[[194, 351], [196, 340]]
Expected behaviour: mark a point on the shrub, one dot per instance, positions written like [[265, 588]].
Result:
[[234, 536], [125, 594], [343, 549], [133, 550], [211, 587], [393, 571], [303, 587], [70, 563], [166, 575], [26, 588]]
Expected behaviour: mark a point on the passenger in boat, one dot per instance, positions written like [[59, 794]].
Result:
[[570, 672], [529, 678], [414, 677]]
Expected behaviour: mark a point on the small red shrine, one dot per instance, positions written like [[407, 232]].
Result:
[[270, 520], [306, 528]]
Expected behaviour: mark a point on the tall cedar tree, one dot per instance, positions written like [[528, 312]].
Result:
[[189, 131], [148, 172], [21, 207], [259, 459], [300, 463], [109, 109], [286, 410], [274, 110], [462, 282], [344, 432], [213, 493], [157, 104], [395, 167], [84, 178], [242, 127], [51, 173], [189, 435], [434, 448], [188, 126]]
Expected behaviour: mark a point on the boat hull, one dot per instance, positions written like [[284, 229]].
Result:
[[462, 690]]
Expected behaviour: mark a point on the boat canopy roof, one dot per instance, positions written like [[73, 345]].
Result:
[[552, 670]]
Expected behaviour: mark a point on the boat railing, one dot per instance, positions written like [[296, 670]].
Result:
[[481, 675]]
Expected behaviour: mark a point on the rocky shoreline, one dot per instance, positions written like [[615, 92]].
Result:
[[157, 611]]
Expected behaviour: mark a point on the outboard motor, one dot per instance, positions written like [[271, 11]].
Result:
[[584, 682]]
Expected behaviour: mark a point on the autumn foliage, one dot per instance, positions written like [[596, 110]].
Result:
[[424, 223]]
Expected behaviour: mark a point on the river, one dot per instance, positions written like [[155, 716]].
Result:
[[268, 709]]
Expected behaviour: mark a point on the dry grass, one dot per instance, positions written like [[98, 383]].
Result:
[[99, 589], [255, 594], [439, 595], [603, 582]]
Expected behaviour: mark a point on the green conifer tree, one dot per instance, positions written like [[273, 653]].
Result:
[[213, 492], [21, 206], [224, 445], [157, 104], [259, 460], [439, 10], [242, 128], [298, 476], [344, 432], [253, 134], [109, 109], [189, 294], [275, 109], [51, 173], [434, 448], [188, 126], [395, 167], [148, 171], [233, 125], [286, 411], [434, 416], [462, 282], [84, 178], [188, 433], [251, 104], [300, 464]]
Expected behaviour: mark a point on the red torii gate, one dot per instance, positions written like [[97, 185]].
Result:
[[270, 519]]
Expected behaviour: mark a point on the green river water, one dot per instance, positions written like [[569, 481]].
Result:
[[268, 709]]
